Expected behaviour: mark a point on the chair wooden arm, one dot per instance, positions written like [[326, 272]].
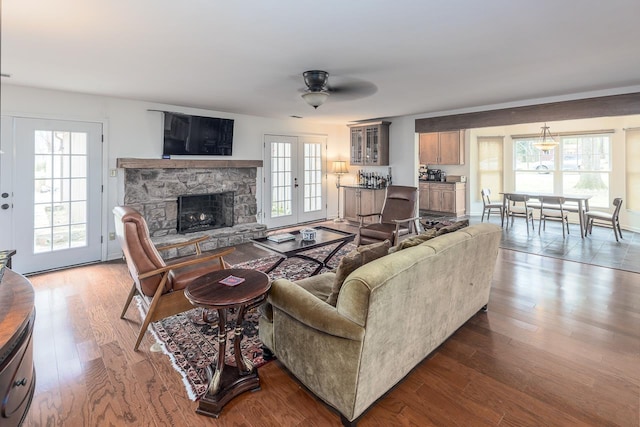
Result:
[[195, 242], [411, 220], [402, 221], [363, 216], [187, 263]]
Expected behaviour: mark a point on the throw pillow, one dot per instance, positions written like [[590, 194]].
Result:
[[453, 227], [353, 260], [414, 240]]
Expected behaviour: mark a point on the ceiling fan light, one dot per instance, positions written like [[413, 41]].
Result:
[[315, 99]]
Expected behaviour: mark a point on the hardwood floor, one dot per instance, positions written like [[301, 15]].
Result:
[[560, 346]]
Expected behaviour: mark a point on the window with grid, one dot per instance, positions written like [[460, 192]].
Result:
[[281, 179], [312, 177], [632, 156], [586, 167], [534, 169], [490, 165]]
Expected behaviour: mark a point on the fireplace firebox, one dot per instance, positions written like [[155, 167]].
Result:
[[198, 212]]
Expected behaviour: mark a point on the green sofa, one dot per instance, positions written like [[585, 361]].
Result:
[[390, 314]]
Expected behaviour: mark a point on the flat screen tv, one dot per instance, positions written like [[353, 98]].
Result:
[[196, 135]]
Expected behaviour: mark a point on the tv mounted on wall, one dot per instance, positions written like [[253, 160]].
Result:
[[196, 135]]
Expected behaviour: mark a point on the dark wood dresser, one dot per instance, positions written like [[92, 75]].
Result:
[[17, 373]]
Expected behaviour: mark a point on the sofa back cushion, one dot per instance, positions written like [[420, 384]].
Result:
[[414, 240], [354, 260], [452, 227]]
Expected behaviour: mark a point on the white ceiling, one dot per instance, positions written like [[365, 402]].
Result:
[[248, 56]]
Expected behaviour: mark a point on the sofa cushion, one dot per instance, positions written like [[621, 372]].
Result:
[[453, 227], [352, 261], [414, 240]]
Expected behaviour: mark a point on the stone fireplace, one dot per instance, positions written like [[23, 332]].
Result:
[[156, 187]]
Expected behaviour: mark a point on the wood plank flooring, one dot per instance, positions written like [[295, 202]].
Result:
[[560, 346]]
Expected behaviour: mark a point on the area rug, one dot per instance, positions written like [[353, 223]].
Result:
[[191, 344]]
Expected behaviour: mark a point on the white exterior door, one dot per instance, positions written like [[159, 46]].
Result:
[[294, 186], [51, 171]]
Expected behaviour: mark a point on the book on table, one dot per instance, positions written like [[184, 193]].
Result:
[[281, 237]]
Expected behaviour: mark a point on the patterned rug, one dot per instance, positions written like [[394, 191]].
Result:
[[191, 344]]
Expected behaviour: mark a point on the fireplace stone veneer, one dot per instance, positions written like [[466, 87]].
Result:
[[154, 193]]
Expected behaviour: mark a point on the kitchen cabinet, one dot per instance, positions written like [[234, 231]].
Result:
[[362, 201], [444, 197], [423, 196], [442, 148], [370, 144]]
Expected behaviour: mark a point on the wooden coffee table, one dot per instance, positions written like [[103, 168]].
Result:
[[292, 248], [226, 381]]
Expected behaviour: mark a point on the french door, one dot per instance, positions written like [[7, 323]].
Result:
[[294, 186], [52, 179]]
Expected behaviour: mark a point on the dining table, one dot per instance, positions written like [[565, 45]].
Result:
[[582, 201]]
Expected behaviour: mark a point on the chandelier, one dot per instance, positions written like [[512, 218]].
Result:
[[546, 141]]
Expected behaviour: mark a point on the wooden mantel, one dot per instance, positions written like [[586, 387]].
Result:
[[128, 163]]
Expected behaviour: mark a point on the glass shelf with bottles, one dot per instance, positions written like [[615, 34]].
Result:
[[374, 180]]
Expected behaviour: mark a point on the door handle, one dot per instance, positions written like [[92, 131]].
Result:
[[295, 182], [5, 206]]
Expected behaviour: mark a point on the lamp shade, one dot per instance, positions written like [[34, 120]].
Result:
[[546, 141], [340, 167], [315, 99]]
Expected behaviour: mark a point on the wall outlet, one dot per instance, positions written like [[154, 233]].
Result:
[[112, 236]]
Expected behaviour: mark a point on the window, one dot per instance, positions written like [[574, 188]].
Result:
[[534, 168], [586, 166], [580, 164], [633, 170], [490, 169]]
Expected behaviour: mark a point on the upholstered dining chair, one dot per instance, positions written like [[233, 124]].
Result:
[[159, 283], [515, 209], [488, 205], [606, 218], [552, 208], [398, 217]]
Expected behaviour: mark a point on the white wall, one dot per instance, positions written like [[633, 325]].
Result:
[[132, 131]]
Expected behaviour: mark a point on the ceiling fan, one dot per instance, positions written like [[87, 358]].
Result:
[[318, 88]]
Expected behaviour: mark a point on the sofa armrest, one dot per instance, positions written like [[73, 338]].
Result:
[[312, 311]]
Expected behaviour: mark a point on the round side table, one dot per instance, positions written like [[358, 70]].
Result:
[[226, 381]]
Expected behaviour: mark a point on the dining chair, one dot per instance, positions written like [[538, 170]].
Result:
[[552, 208], [159, 283], [606, 218], [521, 210], [488, 205]]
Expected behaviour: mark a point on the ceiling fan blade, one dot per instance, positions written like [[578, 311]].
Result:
[[352, 89]]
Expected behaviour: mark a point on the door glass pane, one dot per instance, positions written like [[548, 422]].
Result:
[[54, 166], [312, 175], [281, 163]]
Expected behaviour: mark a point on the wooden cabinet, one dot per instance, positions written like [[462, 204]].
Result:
[[423, 198], [442, 148], [445, 197], [362, 201], [370, 144]]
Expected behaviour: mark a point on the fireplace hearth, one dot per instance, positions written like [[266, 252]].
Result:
[[199, 212]]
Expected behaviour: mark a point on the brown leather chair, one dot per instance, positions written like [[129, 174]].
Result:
[[160, 283], [396, 219]]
